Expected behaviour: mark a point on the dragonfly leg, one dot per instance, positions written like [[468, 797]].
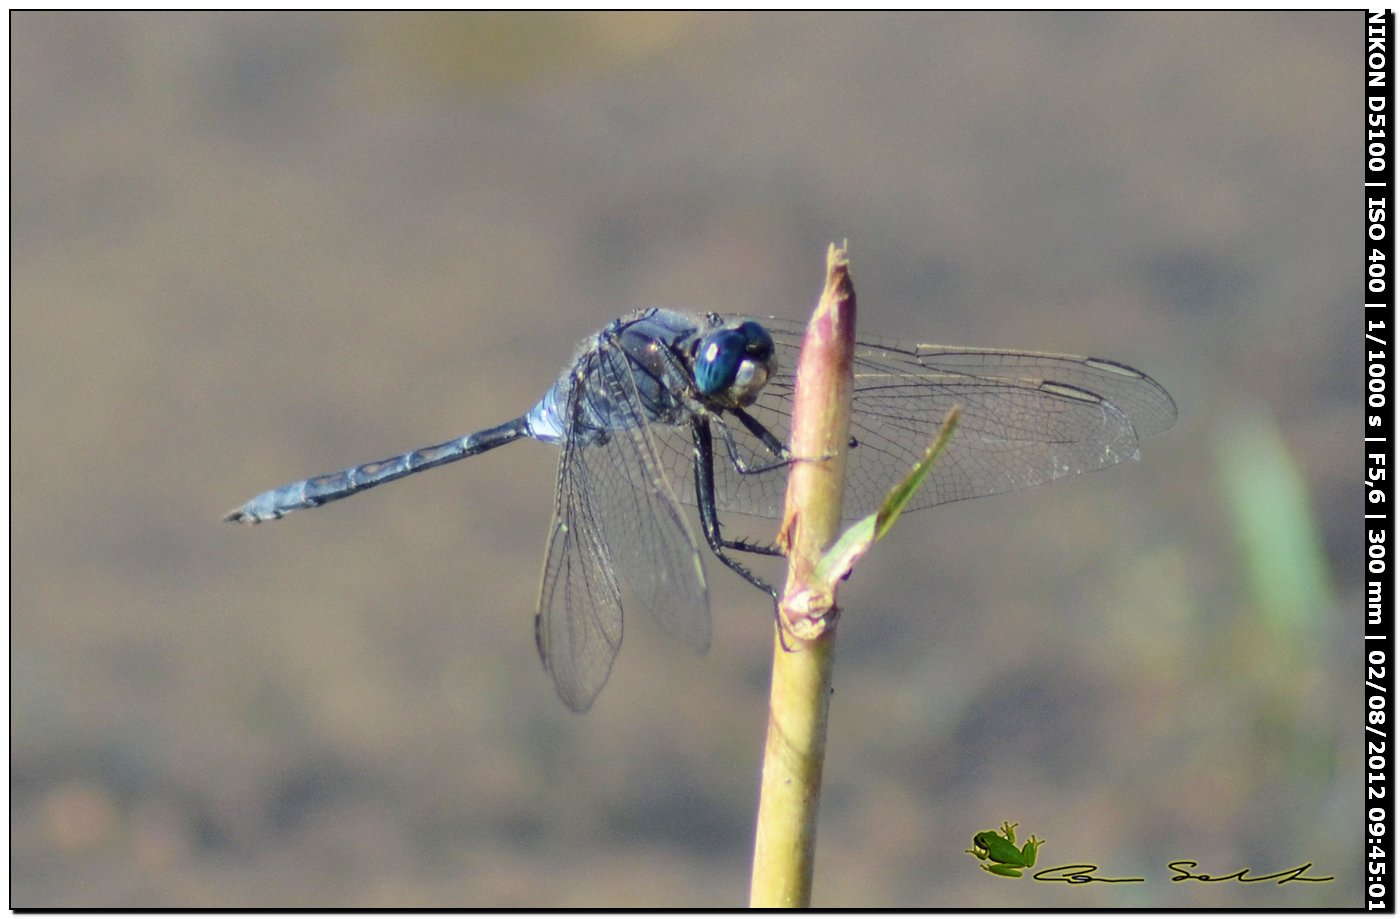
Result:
[[753, 548], [759, 430], [769, 440], [709, 516], [737, 461]]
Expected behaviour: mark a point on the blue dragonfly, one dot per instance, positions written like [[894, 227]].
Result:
[[663, 407]]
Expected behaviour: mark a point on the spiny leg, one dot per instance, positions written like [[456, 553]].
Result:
[[709, 516], [759, 430], [769, 441]]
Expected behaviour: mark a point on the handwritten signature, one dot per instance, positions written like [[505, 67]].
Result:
[[1084, 874]]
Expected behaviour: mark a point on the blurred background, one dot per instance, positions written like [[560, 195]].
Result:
[[249, 248]]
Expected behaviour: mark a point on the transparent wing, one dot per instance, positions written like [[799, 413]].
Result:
[[1027, 418], [578, 626], [616, 517]]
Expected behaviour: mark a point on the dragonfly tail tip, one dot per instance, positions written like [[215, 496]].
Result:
[[240, 515]]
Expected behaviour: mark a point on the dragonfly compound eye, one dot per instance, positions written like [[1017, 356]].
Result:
[[717, 361], [734, 364]]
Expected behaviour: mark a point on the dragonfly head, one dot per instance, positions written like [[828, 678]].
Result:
[[733, 363]]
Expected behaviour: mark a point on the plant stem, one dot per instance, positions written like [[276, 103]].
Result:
[[785, 842]]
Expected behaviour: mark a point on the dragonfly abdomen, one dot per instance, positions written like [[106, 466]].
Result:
[[318, 490]]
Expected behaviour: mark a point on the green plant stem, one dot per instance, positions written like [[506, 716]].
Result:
[[785, 841]]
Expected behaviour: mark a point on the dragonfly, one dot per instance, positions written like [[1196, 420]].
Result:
[[663, 408]]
